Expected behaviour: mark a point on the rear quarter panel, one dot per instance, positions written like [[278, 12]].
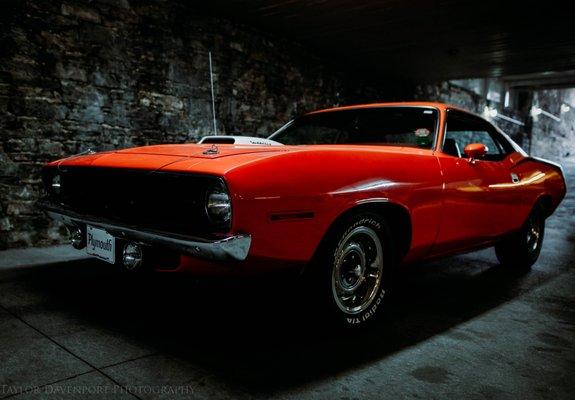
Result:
[[538, 179]]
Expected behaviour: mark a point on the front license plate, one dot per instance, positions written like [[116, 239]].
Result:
[[101, 244]]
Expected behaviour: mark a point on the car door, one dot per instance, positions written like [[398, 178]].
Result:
[[474, 206]]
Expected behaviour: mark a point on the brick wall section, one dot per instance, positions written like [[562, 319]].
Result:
[[109, 74]]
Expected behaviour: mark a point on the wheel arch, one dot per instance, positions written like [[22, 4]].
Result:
[[396, 215], [546, 201]]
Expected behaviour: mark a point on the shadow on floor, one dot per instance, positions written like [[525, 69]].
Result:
[[264, 337]]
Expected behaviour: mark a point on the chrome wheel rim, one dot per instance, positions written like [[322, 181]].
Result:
[[357, 271], [533, 233]]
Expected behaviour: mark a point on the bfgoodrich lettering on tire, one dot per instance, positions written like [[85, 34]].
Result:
[[356, 263]]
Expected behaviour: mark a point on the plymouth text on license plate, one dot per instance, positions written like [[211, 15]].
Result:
[[100, 243]]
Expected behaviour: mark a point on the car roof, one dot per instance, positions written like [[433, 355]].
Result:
[[438, 105]]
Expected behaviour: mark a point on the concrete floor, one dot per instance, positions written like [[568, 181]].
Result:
[[459, 328]]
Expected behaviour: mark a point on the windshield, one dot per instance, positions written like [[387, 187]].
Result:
[[404, 126]]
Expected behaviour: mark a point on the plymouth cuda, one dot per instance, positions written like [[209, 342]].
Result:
[[343, 196]]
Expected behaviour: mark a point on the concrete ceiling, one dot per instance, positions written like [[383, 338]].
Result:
[[424, 39]]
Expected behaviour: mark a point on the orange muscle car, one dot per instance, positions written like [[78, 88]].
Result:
[[345, 195]]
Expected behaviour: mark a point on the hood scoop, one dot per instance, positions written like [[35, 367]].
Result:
[[224, 139]]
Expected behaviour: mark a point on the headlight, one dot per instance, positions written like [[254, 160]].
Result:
[[219, 205], [56, 184]]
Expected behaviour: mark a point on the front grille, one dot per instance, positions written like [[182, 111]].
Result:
[[164, 201]]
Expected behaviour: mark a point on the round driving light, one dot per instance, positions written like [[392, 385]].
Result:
[[132, 256], [77, 238], [56, 185], [218, 205]]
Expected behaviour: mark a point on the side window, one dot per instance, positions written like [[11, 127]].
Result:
[[463, 129], [506, 147]]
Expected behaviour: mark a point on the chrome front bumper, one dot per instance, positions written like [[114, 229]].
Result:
[[235, 247]]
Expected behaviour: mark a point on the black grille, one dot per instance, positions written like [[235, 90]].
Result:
[[163, 201]]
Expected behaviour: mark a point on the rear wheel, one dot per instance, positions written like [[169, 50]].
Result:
[[354, 269], [521, 250]]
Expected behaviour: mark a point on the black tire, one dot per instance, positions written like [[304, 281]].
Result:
[[521, 250], [351, 277]]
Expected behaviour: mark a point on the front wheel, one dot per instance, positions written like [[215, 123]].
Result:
[[355, 269], [521, 250]]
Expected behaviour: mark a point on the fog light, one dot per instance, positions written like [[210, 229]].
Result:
[[132, 256], [77, 237]]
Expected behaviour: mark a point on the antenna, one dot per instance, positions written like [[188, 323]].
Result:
[[213, 98]]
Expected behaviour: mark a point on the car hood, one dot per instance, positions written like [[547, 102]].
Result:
[[160, 156], [236, 157], [201, 150], [209, 159]]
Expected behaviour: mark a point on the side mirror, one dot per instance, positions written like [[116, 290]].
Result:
[[475, 151]]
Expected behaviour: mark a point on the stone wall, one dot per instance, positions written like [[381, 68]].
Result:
[[108, 74], [553, 139], [447, 92]]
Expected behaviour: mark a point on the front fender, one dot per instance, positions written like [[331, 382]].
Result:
[[288, 203]]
